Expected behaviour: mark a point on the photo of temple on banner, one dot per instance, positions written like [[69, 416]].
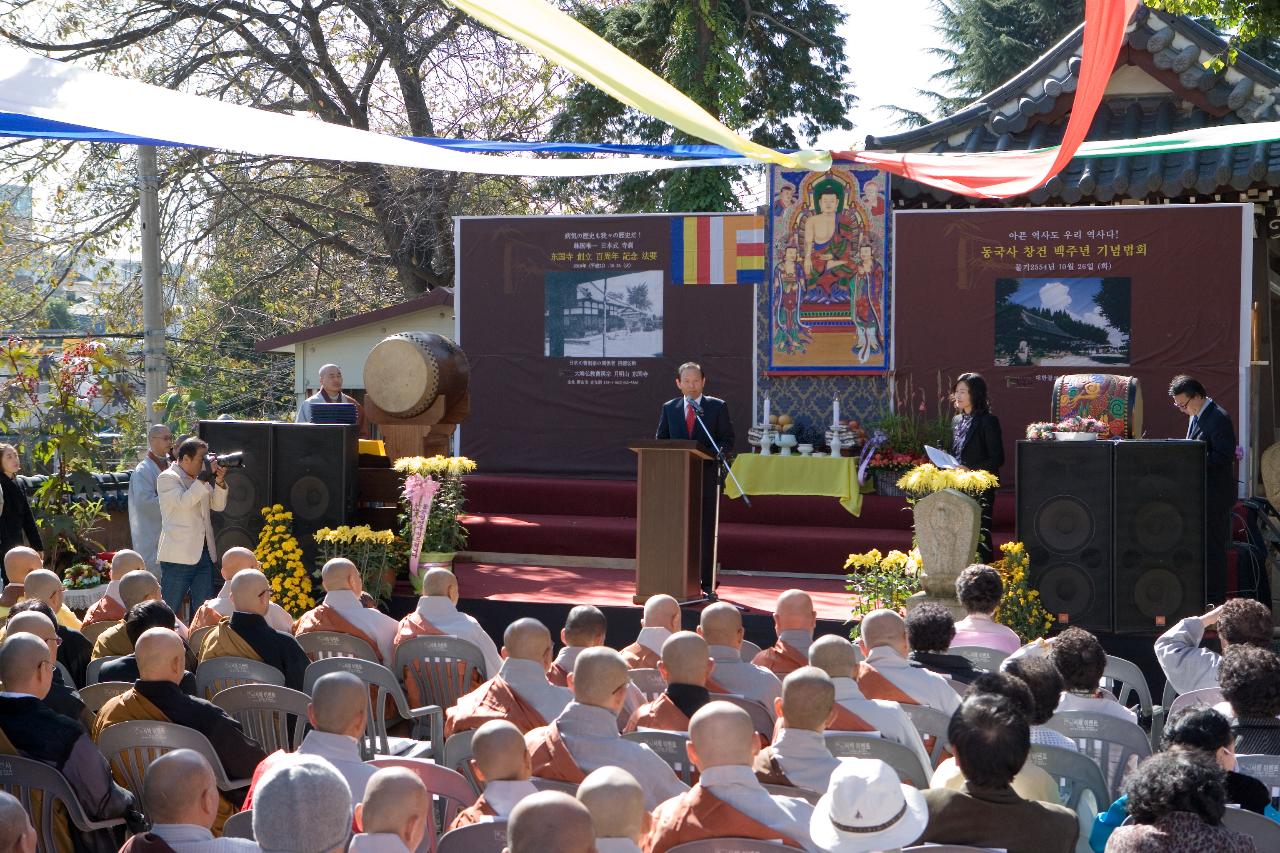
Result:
[[605, 316], [1062, 322]]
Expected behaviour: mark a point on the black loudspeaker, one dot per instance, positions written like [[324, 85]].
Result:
[[315, 477], [249, 486], [1064, 520], [1160, 535]]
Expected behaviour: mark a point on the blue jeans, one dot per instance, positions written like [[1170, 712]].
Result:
[[179, 578]]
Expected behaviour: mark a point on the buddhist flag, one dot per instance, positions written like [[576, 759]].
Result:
[[717, 249]]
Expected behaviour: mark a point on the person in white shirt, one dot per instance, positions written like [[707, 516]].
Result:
[[886, 673], [1081, 660], [616, 802], [182, 802], [17, 835], [342, 587], [721, 627], [187, 546], [661, 619], [1189, 667], [144, 500], [213, 611], [438, 608], [502, 764], [393, 814], [800, 749], [550, 821], [979, 590]]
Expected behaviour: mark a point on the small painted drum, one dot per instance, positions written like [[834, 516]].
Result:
[[1108, 397]]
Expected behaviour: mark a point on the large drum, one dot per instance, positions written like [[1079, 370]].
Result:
[[1113, 399], [405, 373]]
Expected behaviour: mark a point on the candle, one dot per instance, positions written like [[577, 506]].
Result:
[[835, 411], [765, 421]]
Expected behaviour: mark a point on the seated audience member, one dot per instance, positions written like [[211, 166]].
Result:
[[1206, 733], [156, 696], [1030, 782], [550, 820], [1045, 683], [885, 672], [721, 627], [991, 740], [135, 587], [867, 809], [799, 756], [19, 562], [303, 806], [661, 619], [33, 730], [182, 801], [110, 608], [1250, 679], [213, 611], [393, 814], [61, 697], [1080, 659], [247, 635], [74, 651], [1241, 621], [437, 614], [1177, 800], [686, 665], [930, 628], [520, 691], [343, 612], [585, 628], [794, 620], [616, 802], [979, 590], [17, 835], [338, 712], [584, 737], [728, 801], [141, 618], [502, 763], [854, 712]]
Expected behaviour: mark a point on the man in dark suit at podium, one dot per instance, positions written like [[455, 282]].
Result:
[[1211, 424], [680, 421]]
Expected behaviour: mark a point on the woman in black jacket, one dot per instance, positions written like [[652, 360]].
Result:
[[977, 443], [15, 518]]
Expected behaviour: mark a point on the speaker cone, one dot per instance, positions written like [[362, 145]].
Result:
[[1064, 524], [1158, 592], [309, 498], [1066, 588]]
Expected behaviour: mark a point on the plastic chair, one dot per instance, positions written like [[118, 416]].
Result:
[[541, 784], [901, 758], [649, 682], [264, 710], [1264, 768], [488, 837], [96, 695], [1209, 696], [94, 631], [440, 668], [1115, 745], [215, 675], [457, 756], [1077, 775], [749, 650], [671, 748], [760, 716], [980, 656], [332, 644], [451, 792], [239, 825], [930, 723], [131, 746], [91, 671], [1127, 683], [728, 845], [195, 639], [1264, 831], [376, 740], [29, 781]]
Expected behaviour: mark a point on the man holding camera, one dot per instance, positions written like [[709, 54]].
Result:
[[189, 490]]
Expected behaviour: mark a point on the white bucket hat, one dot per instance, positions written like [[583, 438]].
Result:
[[867, 808]]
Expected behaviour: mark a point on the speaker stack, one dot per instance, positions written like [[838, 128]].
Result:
[[1114, 530]]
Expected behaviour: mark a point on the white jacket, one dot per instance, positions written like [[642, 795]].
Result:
[[185, 527]]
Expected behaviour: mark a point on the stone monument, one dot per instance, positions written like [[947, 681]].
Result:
[[947, 525]]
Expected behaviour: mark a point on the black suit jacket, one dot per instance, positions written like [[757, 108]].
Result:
[[715, 414], [984, 449], [1213, 426]]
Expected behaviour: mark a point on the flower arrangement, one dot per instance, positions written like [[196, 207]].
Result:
[[1043, 430], [432, 512], [1021, 608], [889, 459], [373, 552], [925, 479], [1040, 431], [281, 560], [87, 575], [886, 581]]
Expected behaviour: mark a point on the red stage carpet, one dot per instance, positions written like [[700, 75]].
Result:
[[614, 587]]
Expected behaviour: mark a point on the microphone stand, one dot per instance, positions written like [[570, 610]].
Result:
[[711, 596]]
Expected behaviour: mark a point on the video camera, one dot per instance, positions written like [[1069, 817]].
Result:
[[227, 460]]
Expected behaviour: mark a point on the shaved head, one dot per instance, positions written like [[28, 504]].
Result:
[[247, 589], [236, 560], [795, 611], [339, 704], [339, 573], [161, 655], [662, 611], [807, 699], [126, 561], [17, 835], [174, 786], [685, 659], [21, 657], [527, 639], [441, 582], [884, 628], [585, 626], [616, 802], [31, 622], [721, 733], [395, 802], [600, 677], [721, 625], [44, 585], [550, 820], [834, 655], [20, 561], [500, 753], [138, 586]]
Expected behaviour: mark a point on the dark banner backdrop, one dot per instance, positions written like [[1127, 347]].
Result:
[[1175, 271], [551, 394]]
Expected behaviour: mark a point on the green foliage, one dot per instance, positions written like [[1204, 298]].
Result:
[[1248, 20]]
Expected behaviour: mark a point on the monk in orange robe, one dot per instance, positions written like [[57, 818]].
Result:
[[111, 607], [616, 802], [686, 665], [213, 611], [661, 619], [136, 587], [246, 634], [520, 692], [343, 611], [794, 620], [502, 763]]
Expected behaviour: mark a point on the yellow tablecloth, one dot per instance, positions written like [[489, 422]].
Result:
[[798, 475]]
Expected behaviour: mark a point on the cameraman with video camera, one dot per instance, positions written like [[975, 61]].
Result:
[[193, 485]]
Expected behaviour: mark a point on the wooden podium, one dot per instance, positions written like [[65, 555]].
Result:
[[669, 518]]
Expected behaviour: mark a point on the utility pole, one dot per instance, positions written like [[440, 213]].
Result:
[[154, 362]]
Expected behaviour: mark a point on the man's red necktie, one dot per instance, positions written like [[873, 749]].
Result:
[[688, 419]]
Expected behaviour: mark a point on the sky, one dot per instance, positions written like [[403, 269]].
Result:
[[1075, 296]]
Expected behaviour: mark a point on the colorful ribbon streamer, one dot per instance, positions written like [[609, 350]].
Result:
[[419, 491]]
